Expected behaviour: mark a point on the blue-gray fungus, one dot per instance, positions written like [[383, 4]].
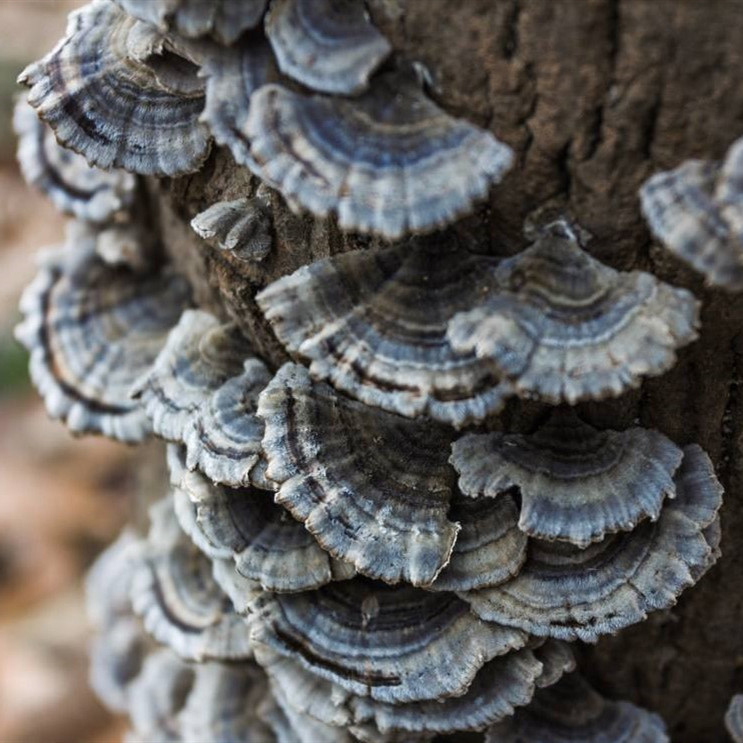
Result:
[[385, 522]]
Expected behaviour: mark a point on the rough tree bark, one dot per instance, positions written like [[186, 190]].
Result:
[[594, 96]]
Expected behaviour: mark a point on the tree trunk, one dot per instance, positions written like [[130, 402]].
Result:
[[594, 96]]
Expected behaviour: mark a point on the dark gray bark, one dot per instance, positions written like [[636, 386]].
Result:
[[594, 95]]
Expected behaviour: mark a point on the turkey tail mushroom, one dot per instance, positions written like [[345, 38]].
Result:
[[225, 20], [328, 46], [576, 483], [417, 168], [696, 211], [241, 227], [571, 593], [267, 545], [572, 712], [734, 718], [73, 186], [180, 603], [114, 109], [373, 488], [388, 643], [373, 323], [564, 327], [92, 330]]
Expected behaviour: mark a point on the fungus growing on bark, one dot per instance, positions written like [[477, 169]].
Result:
[[373, 323], [223, 705], [180, 604], [373, 488], [734, 718], [232, 74], [571, 593], [500, 686], [329, 46], [241, 227], [267, 545], [92, 330], [576, 483], [388, 162], [65, 177], [158, 694], [114, 109], [226, 20], [695, 210], [572, 712], [564, 327], [388, 643], [200, 355], [490, 547]]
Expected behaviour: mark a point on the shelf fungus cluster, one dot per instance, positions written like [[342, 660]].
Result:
[[350, 545]]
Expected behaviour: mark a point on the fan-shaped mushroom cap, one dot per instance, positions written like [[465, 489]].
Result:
[[389, 643], [373, 488], [696, 211], [223, 705], [490, 548], [329, 46], [224, 19], [388, 162], [199, 356], [572, 712], [116, 658], [242, 591], [292, 726], [232, 75], [266, 543], [373, 323], [566, 328], [224, 439], [176, 596], [734, 718], [242, 227], [569, 593], [577, 483], [114, 109], [499, 687], [92, 330], [64, 176], [158, 694]]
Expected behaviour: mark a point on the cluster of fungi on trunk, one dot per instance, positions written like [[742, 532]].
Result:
[[393, 509]]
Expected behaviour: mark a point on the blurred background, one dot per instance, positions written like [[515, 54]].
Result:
[[61, 499]]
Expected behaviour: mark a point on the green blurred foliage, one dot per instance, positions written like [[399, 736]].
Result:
[[14, 380]]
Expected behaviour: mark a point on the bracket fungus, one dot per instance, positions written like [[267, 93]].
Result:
[[564, 327], [200, 355], [180, 603], [73, 186], [576, 483], [570, 593], [112, 108], [490, 547], [385, 642], [734, 718], [226, 20], [351, 546], [373, 488], [572, 712], [329, 46], [92, 330], [241, 227], [373, 323], [695, 210], [418, 169], [267, 545]]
